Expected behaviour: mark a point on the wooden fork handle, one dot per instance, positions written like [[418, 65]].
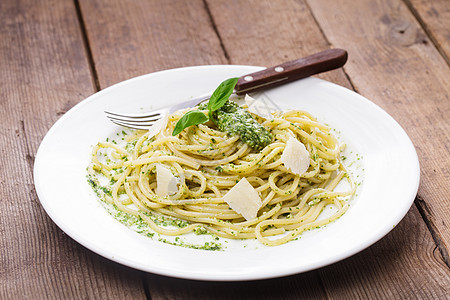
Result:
[[290, 71]]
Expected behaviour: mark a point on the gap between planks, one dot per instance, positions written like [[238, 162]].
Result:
[[427, 31], [214, 26], [87, 47], [423, 208]]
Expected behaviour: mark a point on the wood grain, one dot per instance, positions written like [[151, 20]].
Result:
[[403, 265], [395, 60], [131, 38], [267, 33], [303, 286], [44, 73], [400, 69], [434, 17]]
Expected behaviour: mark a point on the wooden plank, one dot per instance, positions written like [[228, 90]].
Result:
[[303, 286], [434, 16], [44, 73], [266, 33], [393, 63], [131, 38], [403, 265]]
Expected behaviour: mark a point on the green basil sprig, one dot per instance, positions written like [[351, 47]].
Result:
[[193, 117], [217, 100], [221, 95]]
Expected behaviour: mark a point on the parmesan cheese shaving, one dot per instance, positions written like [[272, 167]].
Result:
[[295, 156], [158, 126], [244, 199], [259, 107], [166, 182]]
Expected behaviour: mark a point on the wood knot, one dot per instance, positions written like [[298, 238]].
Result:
[[405, 34]]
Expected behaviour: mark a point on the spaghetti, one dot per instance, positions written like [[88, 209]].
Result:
[[207, 163]]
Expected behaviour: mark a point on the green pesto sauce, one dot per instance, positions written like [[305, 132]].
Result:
[[141, 227], [235, 120], [103, 189]]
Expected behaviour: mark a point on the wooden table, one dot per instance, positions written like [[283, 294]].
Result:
[[55, 53]]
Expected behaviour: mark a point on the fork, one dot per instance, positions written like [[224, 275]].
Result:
[[146, 120], [268, 78]]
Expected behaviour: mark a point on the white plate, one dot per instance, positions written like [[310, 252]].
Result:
[[390, 168]]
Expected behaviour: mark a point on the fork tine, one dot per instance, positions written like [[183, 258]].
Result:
[[131, 125], [139, 121], [134, 123], [144, 117], [143, 120]]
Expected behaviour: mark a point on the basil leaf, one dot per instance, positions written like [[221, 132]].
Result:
[[217, 100], [193, 117], [221, 94]]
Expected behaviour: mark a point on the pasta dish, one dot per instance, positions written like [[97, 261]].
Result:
[[272, 185]]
